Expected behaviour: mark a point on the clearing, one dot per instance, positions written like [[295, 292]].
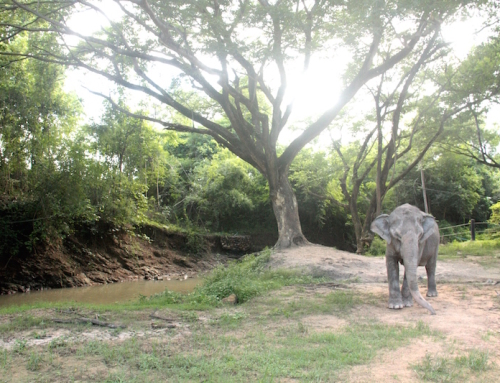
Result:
[[337, 330]]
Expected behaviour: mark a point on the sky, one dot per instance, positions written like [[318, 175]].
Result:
[[312, 93]]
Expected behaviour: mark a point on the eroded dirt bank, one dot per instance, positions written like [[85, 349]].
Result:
[[88, 258]]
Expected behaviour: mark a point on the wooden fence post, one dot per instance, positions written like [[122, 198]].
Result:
[[472, 230]]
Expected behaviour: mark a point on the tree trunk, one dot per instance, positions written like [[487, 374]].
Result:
[[286, 211]]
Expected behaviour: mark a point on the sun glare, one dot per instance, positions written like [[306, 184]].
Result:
[[312, 93]]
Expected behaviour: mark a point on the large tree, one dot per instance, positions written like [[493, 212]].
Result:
[[237, 54]]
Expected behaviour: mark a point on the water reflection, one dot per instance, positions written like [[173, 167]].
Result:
[[102, 294]]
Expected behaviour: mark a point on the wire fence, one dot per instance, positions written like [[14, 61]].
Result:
[[470, 234]]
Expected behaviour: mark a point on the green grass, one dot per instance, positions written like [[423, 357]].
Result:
[[34, 361], [24, 322], [478, 248], [289, 352], [268, 338], [449, 369], [337, 303]]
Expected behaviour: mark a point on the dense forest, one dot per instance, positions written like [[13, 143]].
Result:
[[210, 164]]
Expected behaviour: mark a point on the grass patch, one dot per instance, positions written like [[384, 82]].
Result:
[[477, 248], [261, 340], [3, 359], [23, 322], [458, 369], [216, 356], [337, 303], [34, 361]]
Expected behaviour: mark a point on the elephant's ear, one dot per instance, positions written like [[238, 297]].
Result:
[[428, 224], [380, 226]]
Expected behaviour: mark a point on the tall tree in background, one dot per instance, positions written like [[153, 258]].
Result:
[[235, 54]]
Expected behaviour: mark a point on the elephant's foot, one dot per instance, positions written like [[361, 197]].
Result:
[[432, 293], [396, 304], [408, 302]]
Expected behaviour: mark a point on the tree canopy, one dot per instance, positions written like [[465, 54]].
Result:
[[223, 70], [237, 57]]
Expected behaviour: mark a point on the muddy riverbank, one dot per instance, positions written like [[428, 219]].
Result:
[[112, 255]]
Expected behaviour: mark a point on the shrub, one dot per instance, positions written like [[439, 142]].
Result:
[[377, 247]]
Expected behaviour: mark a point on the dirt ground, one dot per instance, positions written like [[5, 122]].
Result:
[[467, 320], [468, 306]]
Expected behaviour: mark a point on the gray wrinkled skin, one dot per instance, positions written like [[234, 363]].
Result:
[[412, 239]]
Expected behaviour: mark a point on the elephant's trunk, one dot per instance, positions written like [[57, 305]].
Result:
[[410, 253]]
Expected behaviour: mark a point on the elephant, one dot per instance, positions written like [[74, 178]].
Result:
[[412, 239]]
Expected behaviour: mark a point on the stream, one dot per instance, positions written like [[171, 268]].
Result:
[[101, 294]]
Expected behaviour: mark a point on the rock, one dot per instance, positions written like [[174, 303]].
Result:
[[230, 300]]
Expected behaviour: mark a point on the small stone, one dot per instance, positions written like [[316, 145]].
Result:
[[231, 299]]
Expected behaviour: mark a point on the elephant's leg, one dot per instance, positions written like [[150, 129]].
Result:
[[431, 277], [395, 299], [405, 292]]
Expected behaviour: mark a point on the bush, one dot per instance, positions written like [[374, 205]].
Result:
[[377, 248], [495, 213]]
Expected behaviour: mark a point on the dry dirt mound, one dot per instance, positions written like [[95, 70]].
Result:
[[338, 264]]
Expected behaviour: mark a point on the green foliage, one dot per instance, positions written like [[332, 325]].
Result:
[[224, 193], [452, 233], [377, 247], [458, 189], [495, 213], [248, 278], [40, 193], [56, 174]]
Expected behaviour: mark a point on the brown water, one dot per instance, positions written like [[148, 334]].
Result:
[[101, 294]]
